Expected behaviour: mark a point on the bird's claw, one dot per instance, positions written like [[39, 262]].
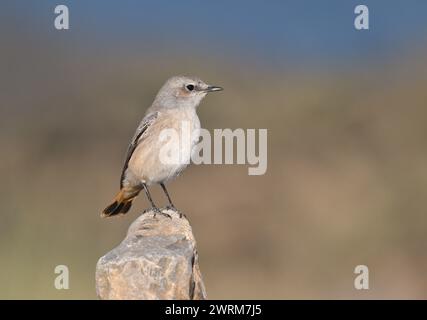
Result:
[[172, 207], [156, 211]]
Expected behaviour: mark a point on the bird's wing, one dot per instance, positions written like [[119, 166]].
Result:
[[145, 123]]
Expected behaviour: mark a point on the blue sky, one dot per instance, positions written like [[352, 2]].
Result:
[[298, 31]]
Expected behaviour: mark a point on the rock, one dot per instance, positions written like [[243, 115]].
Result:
[[157, 260]]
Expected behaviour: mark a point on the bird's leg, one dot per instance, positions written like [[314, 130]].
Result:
[[170, 206], [153, 208]]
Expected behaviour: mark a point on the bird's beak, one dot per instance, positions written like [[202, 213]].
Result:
[[213, 89]]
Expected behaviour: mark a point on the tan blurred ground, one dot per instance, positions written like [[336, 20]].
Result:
[[345, 185]]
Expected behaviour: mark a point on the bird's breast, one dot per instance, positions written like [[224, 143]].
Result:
[[166, 149]]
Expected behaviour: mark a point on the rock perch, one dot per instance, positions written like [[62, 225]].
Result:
[[157, 260]]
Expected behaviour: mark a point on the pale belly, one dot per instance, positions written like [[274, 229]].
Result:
[[165, 154]]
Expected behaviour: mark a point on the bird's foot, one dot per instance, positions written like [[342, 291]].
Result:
[[172, 207], [156, 211]]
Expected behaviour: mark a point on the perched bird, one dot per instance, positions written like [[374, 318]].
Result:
[[173, 108]]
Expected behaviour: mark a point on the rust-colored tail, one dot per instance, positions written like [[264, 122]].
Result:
[[120, 205]]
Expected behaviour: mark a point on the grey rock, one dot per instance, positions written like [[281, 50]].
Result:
[[157, 260]]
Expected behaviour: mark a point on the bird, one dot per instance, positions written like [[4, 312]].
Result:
[[174, 107]]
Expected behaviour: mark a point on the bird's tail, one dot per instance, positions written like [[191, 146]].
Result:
[[121, 205]]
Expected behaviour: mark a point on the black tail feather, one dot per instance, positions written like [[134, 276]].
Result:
[[126, 207], [117, 208]]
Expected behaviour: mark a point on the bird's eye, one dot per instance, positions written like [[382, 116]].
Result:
[[190, 87]]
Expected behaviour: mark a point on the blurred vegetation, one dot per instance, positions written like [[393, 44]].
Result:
[[345, 185]]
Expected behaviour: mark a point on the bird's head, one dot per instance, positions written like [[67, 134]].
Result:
[[183, 91]]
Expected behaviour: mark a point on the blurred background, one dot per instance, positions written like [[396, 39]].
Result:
[[345, 109]]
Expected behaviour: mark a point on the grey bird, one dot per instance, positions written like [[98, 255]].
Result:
[[174, 107]]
